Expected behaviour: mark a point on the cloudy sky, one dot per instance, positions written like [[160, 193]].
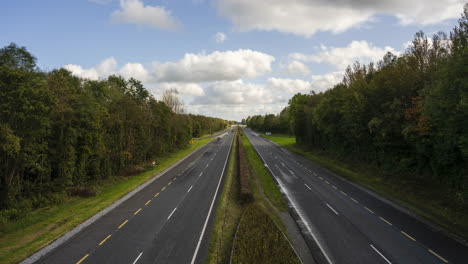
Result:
[[227, 58]]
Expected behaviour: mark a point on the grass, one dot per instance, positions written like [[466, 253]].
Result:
[[283, 140], [428, 201], [267, 183], [258, 240], [254, 228], [22, 238], [228, 214]]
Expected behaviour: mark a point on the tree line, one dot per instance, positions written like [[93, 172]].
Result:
[[59, 131], [405, 113]]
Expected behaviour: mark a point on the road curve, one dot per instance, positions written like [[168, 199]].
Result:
[[345, 223], [168, 221]]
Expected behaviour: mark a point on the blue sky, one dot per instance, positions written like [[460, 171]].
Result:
[[272, 48]]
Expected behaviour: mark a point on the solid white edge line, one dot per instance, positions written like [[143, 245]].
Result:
[[299, 213], [378, 252], [171, 213], [137, 258], [211, 207], [190, 188], [308, 186], [331, 208]]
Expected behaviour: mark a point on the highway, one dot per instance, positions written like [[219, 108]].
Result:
[[169, 221], [344, 223]]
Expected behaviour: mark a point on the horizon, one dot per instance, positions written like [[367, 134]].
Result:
[[227, 59]]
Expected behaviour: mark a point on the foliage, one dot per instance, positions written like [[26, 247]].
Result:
[[27, 234], [406, 114], [60, 132]]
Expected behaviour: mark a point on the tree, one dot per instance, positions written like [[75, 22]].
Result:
[[15, 57], [171, 99]]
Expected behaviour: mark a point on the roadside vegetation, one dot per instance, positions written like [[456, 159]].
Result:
[[21, 238], [71, 146], [400, 125], [247, 226]]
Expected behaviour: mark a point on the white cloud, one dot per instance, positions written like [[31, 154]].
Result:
[[77, 70], [288, 85], [220, 37], [236, 99], [134, 70], [227, 99], [192, 89], [234, 112], [361, 51], [192, 68], [103, 69], [135, 12], [306, 17], [237, 92], [317, 83], [216, 66], [321, 83], [298, 68]]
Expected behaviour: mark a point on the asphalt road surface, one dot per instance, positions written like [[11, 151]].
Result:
[[344, 223], [169, 221]]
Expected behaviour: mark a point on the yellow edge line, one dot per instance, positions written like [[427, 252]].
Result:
[[149, 201], [169, 183], [437, 255], [385, 220], [410, 237], [164, 188], [120, 226], [104, 240], [156, 194], [81, 260], [174, 178], [137, 211]]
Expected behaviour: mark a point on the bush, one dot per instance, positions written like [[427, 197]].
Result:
[[82, 191], [132, 171]]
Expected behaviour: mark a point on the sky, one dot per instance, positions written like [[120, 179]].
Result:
[[226, 58]]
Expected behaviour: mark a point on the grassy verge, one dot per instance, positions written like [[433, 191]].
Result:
[[426, 200], [228, 214], [269, 186], [252, 231], [21, 238]]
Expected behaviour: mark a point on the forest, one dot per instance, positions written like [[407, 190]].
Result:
[[59, 133], [407, 114]]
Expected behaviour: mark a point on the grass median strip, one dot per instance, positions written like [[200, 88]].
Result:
[[247, 229], [23, 237]]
